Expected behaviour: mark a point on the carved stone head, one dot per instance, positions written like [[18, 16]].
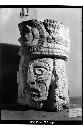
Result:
[[39, 78], [41, 44]]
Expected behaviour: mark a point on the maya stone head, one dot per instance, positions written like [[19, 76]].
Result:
[[42, 75]]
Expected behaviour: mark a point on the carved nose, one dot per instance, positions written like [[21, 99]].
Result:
[[32, 83]]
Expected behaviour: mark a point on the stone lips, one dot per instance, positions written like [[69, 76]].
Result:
[[45, 38]]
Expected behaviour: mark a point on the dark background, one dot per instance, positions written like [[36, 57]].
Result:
[[9, 60]]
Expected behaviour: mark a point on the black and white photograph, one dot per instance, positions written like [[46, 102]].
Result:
[[41, 63]]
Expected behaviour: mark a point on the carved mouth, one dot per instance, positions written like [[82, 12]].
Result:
[[35, 93], [38, 95]]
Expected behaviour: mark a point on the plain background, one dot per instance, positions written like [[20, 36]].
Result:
[[71, 17]]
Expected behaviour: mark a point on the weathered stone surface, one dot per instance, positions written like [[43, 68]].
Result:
[[42, 75], [45, 38]]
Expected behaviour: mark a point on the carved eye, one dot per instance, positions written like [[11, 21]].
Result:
[[39, 71]]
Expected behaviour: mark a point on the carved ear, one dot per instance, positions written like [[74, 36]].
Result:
[[53, 78]]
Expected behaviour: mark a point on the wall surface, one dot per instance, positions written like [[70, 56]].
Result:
[[71, 17]]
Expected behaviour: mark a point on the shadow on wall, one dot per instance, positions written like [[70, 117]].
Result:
[[9, 64]]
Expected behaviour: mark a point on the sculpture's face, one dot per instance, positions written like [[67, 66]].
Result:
[[39, 78]]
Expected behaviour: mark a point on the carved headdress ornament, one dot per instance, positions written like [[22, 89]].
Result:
[[48, 37]]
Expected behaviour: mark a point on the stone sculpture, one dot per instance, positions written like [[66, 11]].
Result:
[[42, 80]]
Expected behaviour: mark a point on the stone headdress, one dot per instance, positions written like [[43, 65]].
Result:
[[49, 38]]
